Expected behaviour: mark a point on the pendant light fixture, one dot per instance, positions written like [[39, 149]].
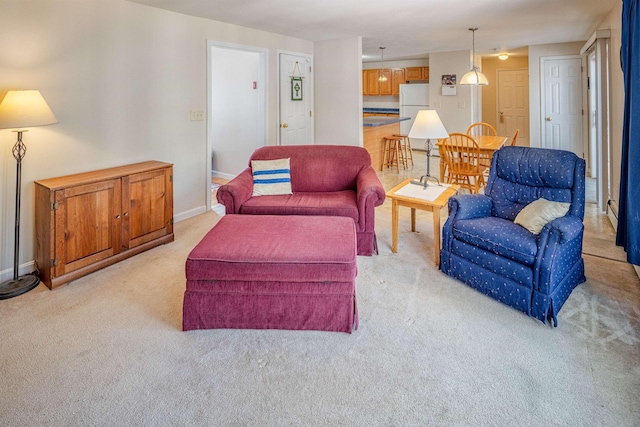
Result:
[[474, 77], [382, 77]]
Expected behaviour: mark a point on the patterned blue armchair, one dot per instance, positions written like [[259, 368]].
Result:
[[484, 248]]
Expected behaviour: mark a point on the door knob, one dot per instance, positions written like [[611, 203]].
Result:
[[548, 119], [284, 125]]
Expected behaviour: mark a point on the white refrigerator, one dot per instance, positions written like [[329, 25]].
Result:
[[413, 98]]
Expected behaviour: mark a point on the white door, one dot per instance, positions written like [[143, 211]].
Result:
[[295, 100], [562, 104], [513, 104]]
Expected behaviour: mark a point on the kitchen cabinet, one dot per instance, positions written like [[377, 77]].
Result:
[[417, 73], [370, 82], [397, 78], [386, 87], [87, 221]]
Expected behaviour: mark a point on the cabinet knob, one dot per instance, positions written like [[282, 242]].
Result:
[[117, 216], [126, 214]]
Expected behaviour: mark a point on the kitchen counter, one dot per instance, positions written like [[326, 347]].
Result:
[[382, 120], [374, 129], [367, 110]]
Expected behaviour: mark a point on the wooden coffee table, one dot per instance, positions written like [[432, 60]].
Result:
[[434, 206]]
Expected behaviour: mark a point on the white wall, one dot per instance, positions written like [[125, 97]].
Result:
[[456, 112], [338, 92], [535, 54], [121, 78]]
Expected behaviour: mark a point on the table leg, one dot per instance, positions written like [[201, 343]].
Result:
[[413, 219], [436, 232], [394, 226]]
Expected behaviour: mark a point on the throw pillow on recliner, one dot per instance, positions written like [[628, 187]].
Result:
[[537, 214], [271, 177]]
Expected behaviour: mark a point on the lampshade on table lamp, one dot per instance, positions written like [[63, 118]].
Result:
[[18, 110], [427, 125]]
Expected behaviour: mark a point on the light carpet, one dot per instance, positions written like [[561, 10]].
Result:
[[108, 350]]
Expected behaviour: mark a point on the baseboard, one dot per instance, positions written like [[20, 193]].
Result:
[[222, 175], [189, 214], [26, 268], [219, 209]]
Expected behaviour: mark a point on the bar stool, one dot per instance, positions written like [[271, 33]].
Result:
[[406, 147], [393, 153]]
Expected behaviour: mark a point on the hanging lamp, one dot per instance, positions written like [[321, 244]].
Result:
[[382, 77], [474, 77]]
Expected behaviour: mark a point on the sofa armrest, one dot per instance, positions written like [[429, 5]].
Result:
[[237, 191], [369, 194], [560, 241], [469, 206]]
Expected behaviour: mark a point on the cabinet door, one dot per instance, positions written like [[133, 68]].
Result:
[[425, 73], [371, 82], [386, 87], [413, 73], [87, 225], [397, 77], [147, 207]]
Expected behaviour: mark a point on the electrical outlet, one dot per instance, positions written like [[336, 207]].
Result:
[[197, 115]]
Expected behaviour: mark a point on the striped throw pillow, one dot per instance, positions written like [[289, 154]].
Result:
[[271, 177]]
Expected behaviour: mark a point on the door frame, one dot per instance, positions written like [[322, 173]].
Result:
[[598, 47], [278, 91], [264, 65], [583, 79]]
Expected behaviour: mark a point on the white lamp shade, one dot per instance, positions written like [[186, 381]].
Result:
[[428, 125], [25, 108], [474, 77]]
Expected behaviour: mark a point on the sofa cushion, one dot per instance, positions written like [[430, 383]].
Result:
[[338, 203], [271, 177], [275, 248], [499, 236]]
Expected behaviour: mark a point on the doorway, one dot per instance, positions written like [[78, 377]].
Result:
[[513, 104], [295, 100], [237, 109]]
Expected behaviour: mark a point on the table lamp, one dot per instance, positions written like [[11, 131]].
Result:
[[18, 110], [427, 125]]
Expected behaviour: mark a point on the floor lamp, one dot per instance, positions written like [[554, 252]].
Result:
[[18, 110], [427, 125]]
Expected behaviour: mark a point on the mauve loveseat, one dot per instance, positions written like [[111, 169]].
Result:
[[329, 180]]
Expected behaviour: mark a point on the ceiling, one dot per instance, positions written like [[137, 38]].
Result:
[[410, 29]]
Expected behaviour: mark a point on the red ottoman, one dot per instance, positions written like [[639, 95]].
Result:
[[273, 272]]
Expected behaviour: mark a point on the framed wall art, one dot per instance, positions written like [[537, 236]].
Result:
[[296, 88]]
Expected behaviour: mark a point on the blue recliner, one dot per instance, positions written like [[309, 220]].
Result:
[[484, 248]]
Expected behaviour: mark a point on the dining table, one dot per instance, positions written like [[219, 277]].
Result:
[[488, 144]]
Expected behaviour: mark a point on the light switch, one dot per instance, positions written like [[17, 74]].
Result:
[[197, 115]]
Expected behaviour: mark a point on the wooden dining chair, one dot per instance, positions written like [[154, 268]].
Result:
[[462, 156], [515, 138], [482, 129]]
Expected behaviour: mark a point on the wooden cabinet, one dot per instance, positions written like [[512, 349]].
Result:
[[370, 82], [386, 87], [88, 221], [395, 77], [417, 73]]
